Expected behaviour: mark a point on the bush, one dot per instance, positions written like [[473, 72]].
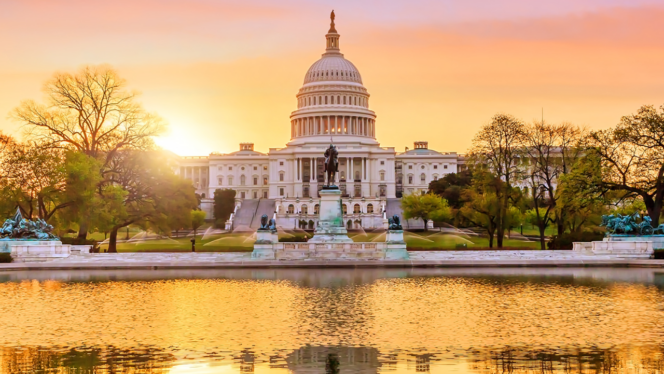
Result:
[[565, 241], [296, 239], [659, 254], [5, 258]]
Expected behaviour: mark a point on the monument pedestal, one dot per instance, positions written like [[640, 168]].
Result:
[[331, 227], [40, 250]]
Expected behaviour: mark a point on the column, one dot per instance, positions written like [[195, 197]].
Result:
[[311, 169], [362, 175]]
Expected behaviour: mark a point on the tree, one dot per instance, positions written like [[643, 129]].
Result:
[[150, 195], [498, 147], [550, 150], [450, 186], [631, 158], [224, 204], [197, 220], [426, 207], [90, 112]]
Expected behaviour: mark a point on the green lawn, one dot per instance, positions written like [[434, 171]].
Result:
[[234, 242]]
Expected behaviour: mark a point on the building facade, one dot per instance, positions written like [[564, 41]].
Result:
[[332, 107]]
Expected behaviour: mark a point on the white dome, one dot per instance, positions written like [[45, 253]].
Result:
[[333, 68]]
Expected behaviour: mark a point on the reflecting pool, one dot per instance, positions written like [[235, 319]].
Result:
[[333, 321]]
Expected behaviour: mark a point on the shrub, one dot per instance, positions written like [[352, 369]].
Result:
[[565, 241], [5, 258]]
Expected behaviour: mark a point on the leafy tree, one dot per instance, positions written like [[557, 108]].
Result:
[[151, 195], [426, 207], [450, 186], [90, 112], [197, 220], [631, 159], [224, 204], [498, 148]]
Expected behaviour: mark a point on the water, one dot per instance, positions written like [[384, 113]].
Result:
[[333, 321]]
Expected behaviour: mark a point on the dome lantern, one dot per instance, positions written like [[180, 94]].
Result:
[[332, 39]]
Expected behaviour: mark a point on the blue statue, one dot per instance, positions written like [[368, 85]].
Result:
[[394, 223], [628, 225], [19, 228]]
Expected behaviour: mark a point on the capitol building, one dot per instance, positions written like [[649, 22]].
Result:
[[332, 106]]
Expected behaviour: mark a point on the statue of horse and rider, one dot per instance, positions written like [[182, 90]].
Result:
[[627, 224], [331, 165]]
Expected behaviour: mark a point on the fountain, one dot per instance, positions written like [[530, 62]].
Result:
[[330, 240]]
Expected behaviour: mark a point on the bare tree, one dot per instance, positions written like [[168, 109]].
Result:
[[91, 112], [498, 145], [550, 151]]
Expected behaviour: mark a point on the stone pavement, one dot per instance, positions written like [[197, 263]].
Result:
[[417, 259]]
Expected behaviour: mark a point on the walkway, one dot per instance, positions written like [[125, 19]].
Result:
[[417, 259]]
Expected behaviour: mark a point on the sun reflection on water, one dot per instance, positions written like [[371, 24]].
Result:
[[277, 323]]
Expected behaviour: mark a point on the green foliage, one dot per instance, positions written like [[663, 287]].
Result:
[[426, 207], [6, 258], [224, 204], [450, 187], [197, 219], [566, 240]]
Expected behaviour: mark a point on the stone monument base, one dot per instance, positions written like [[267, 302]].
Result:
[[330, 227], [330, 251], [40, 250]]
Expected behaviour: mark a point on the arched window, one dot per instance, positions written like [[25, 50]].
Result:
[[242, 180], [355, 100], [281, 176], [344, 100], [382, 175], [344, 208], [265, 180], [370, 208], [230, 181], [255, 181], [410, 179], [423, 177], [305, 209], [325, 99], [316, 209], [356, 209], [221, 181], [291, 209]]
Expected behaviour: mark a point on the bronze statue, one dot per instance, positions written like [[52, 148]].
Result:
[[331, 164], [265, 222], [394, 223], [19, 228]]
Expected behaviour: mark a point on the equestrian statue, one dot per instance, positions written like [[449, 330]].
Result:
[[331, 165]]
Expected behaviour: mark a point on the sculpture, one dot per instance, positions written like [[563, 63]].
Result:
[[394, 223], [264, 222], [19, 228], [273, 225], [331, 164], [619, 224]]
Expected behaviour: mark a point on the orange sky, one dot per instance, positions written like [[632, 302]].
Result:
[[225, 72]]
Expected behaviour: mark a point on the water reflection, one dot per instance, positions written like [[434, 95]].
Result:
[[333, 321]]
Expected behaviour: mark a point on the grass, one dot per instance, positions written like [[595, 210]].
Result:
[[243, 242]]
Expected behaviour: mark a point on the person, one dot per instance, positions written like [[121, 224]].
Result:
[[193, 244]]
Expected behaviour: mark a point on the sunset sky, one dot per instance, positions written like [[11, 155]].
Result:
[[224, 72]]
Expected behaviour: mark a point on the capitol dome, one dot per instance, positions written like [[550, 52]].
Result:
[[333, 102], [333, 68]]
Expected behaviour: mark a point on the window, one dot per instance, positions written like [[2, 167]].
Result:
[[344, 208], [264, 194], [281, 191], [410, 179], [220, 168], [255, 195], [304, 209], [316, 208], [230, 181], [357, 175], [382, 175], [370, 208], [422, 167], [291, 209], [382, 162], [242, 180], [444, 166], [423, 178], [242, 168], [281, 177], [255, 167], [264, 181], [410, 166], [220, 181], [255, 181], [242, 194], [264, 167], [435, 166], [356, 209], [281, 163], [230, 168]]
